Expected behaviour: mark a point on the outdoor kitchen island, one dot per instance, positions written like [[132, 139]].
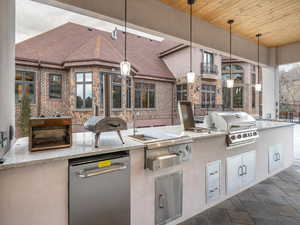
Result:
[[34, 186]]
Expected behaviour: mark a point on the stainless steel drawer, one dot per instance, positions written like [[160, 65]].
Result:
[[213, 170]]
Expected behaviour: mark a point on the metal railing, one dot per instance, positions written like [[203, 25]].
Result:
[[207, 68]]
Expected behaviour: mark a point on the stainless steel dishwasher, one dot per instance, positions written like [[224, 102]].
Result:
[[99, 190]]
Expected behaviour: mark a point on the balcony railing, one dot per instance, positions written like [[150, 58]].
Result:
[[207, 68]]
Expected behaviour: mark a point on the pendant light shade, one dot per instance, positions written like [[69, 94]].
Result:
[[258, 86], [125, 66], [191, 75], [230, 82]]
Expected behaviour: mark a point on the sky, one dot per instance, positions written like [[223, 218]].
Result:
[[34, 18]]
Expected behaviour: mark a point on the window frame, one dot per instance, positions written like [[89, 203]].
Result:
[[102, 89], [181, 92], [129, 86], [24, 82], [233, 94], [61, 85], [253, 97], [83, 82], [210, 91], [208, 55], [111, 75], [141, 95]]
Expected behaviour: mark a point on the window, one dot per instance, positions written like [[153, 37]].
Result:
[[116, 84], [84, 91], [102, 90], [24, 86], [128, 95], [181, 90], [208, 95], [253, 78], [55, 86], [144, 95], [237, 73], [253, 97], [226, 97], [237, 97], [208, 58]]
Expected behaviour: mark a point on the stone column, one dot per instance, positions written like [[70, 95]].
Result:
[[7, 65]]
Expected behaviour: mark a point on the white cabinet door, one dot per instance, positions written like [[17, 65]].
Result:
[[275, 157], [234, 173], [213, 170], [249, 168]]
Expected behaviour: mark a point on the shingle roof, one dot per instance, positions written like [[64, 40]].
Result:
[[72, 42]]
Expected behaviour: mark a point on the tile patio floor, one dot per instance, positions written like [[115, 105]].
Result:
[[275, 201]]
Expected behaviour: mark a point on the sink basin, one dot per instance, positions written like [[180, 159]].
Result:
[[142, 137], [155, 137]]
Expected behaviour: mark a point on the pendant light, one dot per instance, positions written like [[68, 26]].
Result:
[[258, 85], [125, 65], [191, 75], [230, 82]]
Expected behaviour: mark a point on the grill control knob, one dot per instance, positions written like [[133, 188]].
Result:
[[239, 136], [232, 137], [254, 133]]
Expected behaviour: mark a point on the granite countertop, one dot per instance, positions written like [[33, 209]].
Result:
[[83, 144], [267, 124]]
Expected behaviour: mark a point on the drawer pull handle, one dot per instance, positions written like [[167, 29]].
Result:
[[91, 173], [161, 200], [213, 173], [213, 190], [240, 171]]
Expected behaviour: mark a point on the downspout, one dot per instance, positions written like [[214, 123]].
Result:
[[39, 89], [172, 111]]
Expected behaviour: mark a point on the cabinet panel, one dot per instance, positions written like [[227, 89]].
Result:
[[249, 168], [213, 180], [275, 157], [233, 170], [168, 198]]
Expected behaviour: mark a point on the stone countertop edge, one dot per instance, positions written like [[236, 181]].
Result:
[[19, 158], [265, 125]]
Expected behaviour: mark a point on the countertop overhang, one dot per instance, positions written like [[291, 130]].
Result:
[[83, 144]]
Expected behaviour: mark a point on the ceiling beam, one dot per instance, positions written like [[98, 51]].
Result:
[[160, 19]]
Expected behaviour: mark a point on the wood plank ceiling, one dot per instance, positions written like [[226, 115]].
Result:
[[278, 20]]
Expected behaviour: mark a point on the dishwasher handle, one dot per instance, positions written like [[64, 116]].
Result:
[[113, 168]]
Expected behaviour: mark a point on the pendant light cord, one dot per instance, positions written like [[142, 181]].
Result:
[[191, 33], [230, 44], [125, 30], [258, 57], [258, 48]]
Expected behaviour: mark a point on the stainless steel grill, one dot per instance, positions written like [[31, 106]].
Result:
[[240, 127]]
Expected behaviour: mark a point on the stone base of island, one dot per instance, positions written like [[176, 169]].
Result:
[[34, 186]]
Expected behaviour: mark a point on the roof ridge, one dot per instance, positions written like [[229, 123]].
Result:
[[44, 33]]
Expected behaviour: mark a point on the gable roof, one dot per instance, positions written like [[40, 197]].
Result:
[[76, 43]]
